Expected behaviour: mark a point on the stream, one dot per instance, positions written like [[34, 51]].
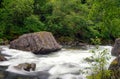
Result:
[[68, 63]]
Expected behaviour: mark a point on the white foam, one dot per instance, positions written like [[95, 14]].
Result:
[[51, 62]]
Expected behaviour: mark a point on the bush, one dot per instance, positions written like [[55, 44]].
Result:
[[99, 70], [33, 24]]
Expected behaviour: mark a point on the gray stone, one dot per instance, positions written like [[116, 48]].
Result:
[[115, 68], [116, 49], [26, 66], [2, 58], [38, 43], [37, 75]]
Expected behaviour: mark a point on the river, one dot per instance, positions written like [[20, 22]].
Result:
[[67, 63]]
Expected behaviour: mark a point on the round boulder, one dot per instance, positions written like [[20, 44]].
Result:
[[38, 43]]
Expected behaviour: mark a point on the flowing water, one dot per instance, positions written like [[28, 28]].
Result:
[[64, 64]]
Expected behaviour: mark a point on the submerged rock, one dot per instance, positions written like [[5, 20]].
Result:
[[2, 58], [3, 68], [38, 43], [11, 75], [26, 66], [116, 49]]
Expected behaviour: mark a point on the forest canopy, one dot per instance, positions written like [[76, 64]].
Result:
[[74, 19]]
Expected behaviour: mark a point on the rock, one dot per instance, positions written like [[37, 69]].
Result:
[[38, 43], [37, 75], [2, 58], [26, 66], [116, 49], [3, 68], [115, 64], [115, 68]]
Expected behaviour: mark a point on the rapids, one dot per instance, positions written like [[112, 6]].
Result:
[[64, 64]]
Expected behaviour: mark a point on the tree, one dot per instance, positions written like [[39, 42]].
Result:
[[105, 16], [12, 15], [32, 24]]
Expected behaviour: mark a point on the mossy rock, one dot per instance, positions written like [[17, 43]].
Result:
[[105, 74], [115, 68]]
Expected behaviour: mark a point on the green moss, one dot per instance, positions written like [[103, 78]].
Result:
[[101, 75], [115, 62]]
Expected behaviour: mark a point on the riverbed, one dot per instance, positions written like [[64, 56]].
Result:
[[68, 63]]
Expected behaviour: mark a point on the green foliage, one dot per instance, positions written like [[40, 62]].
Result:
[[12, 15], [106, 74], [103, 14], [79, 19], [33, 24], [1, 41], [101, 58], [95, 41]]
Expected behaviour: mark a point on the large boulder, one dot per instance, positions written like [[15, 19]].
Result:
[[38, 43], [116, 49]]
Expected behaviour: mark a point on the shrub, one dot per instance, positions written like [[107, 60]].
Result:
[[99, 70], [33, 24]]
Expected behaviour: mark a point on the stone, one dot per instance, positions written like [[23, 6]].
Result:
[[33, 75], [38, 43], [116, 49], [26, 66], [2, 58], [115, 68]]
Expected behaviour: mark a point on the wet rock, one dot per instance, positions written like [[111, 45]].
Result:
[[3, 68], [13, 73], [2, 58], [26, 66], [115, 68], [2, 74], [34, 75], [38, 43], [116, 49]]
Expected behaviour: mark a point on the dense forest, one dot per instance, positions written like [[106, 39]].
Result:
[[66, 19]]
